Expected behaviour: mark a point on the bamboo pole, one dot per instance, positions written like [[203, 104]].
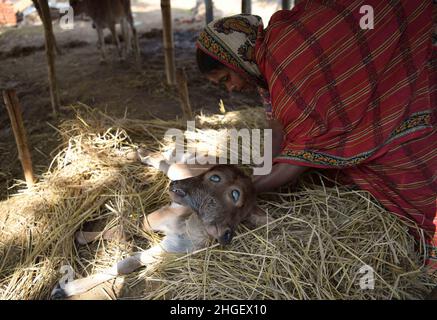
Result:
[[168, 42], [14, 111], [182, 84], [209, 11], [41, 16], [50, 52], [286, 4], [246, 6]]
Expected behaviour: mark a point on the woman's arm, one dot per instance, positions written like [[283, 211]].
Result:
[[277, 136], [281, 174]]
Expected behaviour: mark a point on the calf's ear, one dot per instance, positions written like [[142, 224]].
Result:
[[257, 217]]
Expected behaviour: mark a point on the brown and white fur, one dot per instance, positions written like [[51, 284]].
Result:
[[107, 14], [207, 202]]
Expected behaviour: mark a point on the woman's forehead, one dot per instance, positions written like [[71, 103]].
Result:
[[216, 74]]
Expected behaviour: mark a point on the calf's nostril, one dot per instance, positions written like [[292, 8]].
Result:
[[227, 237]]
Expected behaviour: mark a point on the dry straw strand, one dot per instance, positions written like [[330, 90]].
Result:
[[318, 238]]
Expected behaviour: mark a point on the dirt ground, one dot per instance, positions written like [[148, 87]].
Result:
[[117, 88]]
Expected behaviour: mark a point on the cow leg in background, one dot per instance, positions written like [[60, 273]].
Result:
[[127, 43], [130, 20], [101, 41], [115, 39]]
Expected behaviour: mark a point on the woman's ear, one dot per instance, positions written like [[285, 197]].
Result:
[[257, 218]]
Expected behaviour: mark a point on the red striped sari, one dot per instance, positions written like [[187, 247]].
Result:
[[363, 101]]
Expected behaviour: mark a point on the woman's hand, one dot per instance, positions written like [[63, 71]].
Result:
[[281, 174]]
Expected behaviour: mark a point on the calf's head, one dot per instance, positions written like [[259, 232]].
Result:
[[222, 197]]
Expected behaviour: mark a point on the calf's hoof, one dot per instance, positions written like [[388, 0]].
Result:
[[144, 155], [58, 293]]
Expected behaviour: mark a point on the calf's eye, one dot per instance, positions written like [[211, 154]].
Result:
[[235, 195], [214, 178]]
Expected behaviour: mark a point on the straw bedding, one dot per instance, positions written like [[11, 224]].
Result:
[[319, 238]]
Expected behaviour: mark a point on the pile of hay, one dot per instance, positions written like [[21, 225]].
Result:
[[318, 246]]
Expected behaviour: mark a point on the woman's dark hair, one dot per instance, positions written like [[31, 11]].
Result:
[[206, 63]]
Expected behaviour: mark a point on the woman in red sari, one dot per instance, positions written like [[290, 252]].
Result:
[[362, 101]]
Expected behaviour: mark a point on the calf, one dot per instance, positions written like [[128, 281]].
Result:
[[106, 14], [207, 202]]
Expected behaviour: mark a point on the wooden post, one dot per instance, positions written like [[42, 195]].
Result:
[[50, 52], [167, 34], [181, 80], [209, 11], [14, 111], [246, 6], [286, 4], [41, 16]]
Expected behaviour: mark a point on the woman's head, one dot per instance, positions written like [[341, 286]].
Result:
[[207, 63], [219, 74], [226, 52]]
